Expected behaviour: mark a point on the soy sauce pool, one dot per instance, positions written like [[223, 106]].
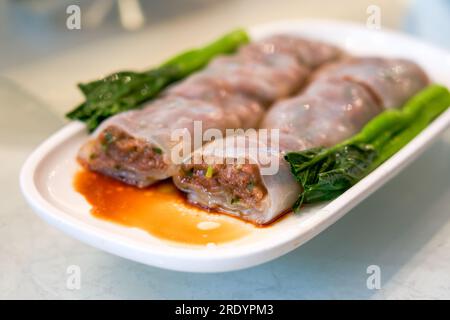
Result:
[[161, 210]]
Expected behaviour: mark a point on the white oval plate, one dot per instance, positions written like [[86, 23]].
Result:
[[46, 177]]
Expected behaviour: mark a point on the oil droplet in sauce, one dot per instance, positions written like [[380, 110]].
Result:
[[160, 210]]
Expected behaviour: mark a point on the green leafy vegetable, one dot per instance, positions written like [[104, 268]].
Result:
[[126, 90], [235, 200], [209, 172], [325, 173], [189, 172]]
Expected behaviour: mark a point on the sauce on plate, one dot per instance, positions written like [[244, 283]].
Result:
[[160, 210]]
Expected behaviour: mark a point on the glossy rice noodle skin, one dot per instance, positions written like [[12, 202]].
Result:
[[237, 75], [231, 92], [392, 81], [328, 112], [311, 54], [335, 106], [266, 70]]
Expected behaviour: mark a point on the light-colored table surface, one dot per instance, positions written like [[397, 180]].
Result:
[[404, 228]]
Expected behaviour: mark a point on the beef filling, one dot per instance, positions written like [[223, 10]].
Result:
[[241, 182], [118, 154]]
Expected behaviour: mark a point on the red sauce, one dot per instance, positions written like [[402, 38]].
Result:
[[161, 210]]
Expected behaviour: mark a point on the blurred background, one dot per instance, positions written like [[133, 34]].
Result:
[[32, 29], [41, 60], [117, 34]]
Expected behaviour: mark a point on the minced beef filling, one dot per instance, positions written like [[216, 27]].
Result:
[[116, 149], [242, 182]]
